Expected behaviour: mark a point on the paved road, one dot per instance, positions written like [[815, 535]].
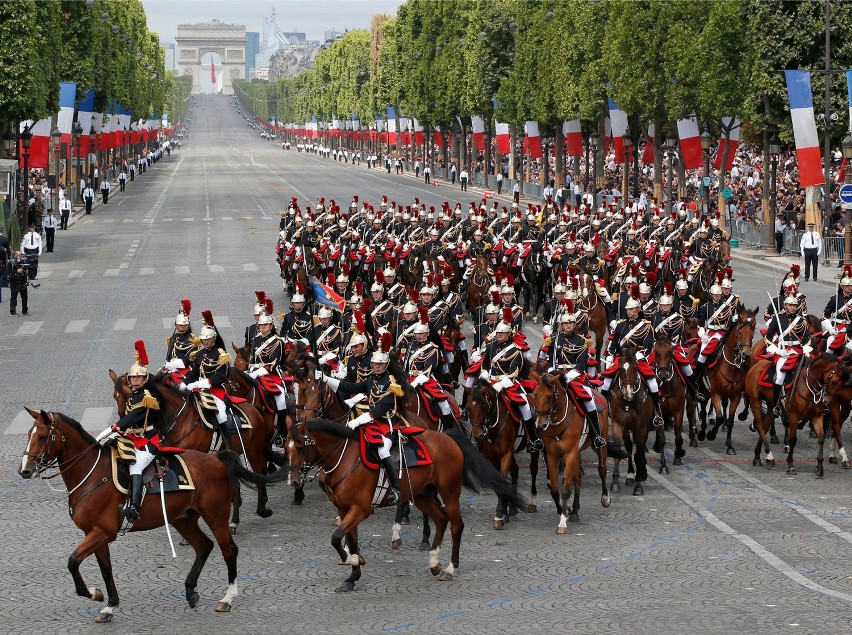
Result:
[[716, 546]]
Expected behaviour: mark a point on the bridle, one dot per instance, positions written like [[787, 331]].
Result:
[[492, 415], [668, 375], [741, 357], [548, 416], [637, 385], [42, 464]]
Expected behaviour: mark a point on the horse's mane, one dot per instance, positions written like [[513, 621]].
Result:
[[332, 428], [88, 438], [828, 357], [476, 392], [248, 378]]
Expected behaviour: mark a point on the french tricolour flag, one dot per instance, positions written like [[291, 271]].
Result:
[[67, 99], [690, 143], [478, 126], [504, 144], [648, 151], [618, 123], [533, 140], [391, 126], [734, 124], [804, 128], [438, 137], [418, 133], [85, 109], [573, 133]]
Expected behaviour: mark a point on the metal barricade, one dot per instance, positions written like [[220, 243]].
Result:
[[832, 250], [748, 233]]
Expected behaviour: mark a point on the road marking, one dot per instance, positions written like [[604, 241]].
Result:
[[250, 266], [107, 220], [216, 268], [96, 419], [127, 324], [20, 424], [181, 269], [227, 218], [188, 220], [76, 326], [758, 549], [124, 265], [111, 272], [29, 328], [76, 273], [146, 271], [44, 274], [127, 220], [223, 321]]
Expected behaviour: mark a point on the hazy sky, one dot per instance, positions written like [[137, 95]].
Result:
[[313, 17]]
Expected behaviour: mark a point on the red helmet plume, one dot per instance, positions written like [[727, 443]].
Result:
[[380, 276], [359, 322], [269, 305], [414, 295], [795, 269], [634, 292], [187, 307], [495, 298], [669, 287], [720, 275], [510, 280], [651, 278], [424, 315], [207, 316], [139, 345], [359, 288], [345, 268], [260, 295], [300, 288], [507, 315], [569, 306], [387, 342], [331, 279]]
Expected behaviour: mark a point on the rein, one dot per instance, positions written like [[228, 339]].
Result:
[[42, 465], [549, 415]]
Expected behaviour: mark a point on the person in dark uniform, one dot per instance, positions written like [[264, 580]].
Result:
[[423, 360], [16, 272], [297, 324], [210, 370], [182, 346], [787, 339], [569, 352], [251, 329], [669, 323], [139, 424], [714, 318], [328, 338], [266, 365], [383, 390]]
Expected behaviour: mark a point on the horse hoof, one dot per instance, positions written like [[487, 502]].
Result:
[[184, 542], [832, 460], [629, 481], [574, 518], [535, 320], [664, 469], [743, 416], [395, 544], [702, 435], [677, 461], [513, 511], [498, 523], [561, 531], [223, 607], [532, 508], [638, 491], [425, 546], [96, 595], [436, 569], [606, 501], [731, 452], [406, 520], [791, 471], [770, 462], [345, 587], [818, 472], [757, 463], [773, 439], [192, 600], [445, 576], [298, 496], [615, 487], [711, 436], [752, 427], [265, 513], [846, 465], [337, 520], [233, 528], [103, 618], [786, 449]]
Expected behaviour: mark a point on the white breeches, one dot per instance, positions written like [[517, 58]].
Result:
[[281, 400], [462, 345], [384, 451], [469, 381], [686, 369], [705, 342], [524, 408], [450, 356], [221, 415], [143, 460], [780, 375], [444, 407]]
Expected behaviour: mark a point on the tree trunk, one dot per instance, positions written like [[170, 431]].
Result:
[[658, 162], [559, 165]]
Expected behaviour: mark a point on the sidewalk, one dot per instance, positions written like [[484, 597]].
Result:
[[779, 265]]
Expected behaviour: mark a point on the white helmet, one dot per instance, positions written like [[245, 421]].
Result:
[[681, 284], [666, 299], [726, 283], [182, 318], [377, 286], [420, 327], [567, 317], [140, 363], [560, 288], [503, 327], [409, 307], [506, 289], [644, 287], [389, 273], [356, 339], [206, 333], [588, 247], [492, 309], [790, 299], [324, 312], [379, 357], [715, 290], [632, 303]]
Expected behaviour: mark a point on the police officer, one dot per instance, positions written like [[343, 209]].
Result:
[[17, 274]]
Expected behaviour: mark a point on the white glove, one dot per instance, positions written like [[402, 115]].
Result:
[[183, 388], [640, 355], [485, 375], [258, 372], [318, 375], [190, 386], [832, 330], [572, 374], [807, 349], [609, 360], [326, 357], [106, 436], [506, 382], [360, 420], [612, 325], [419, 381], [314, 250], [772, 349], [340, 373], [475, 355], [497, 386], [174, 364], [203, 383], [701, 332], [546, 330], [441, 258], [358, 398]]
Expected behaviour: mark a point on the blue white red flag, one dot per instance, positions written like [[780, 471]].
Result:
[[804, 128], [326, 296]]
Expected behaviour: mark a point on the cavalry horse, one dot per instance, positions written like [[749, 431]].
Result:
[[182, 427], [534, 277], [565, 434], [57, 441], [727, 377], [478, 283], [453, 338], [631, 410], [499, 436], [672, 400], [817, 382], [596, 314], [334, 451]]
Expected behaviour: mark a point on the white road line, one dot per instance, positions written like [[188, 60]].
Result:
[[216, 268], [127, 220], [250, 266], [76, 273], [127, 324], [76, 326], [146, 271], [96, 419], [181, 269], [44, 274], [758, 549], [20, 424], [188, 220], [29, 328], [111, 272], [227, 218], [124, 265]]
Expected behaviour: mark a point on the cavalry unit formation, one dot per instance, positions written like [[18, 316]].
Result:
[[401, 374]]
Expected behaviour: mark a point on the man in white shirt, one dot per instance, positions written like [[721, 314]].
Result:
[[811, 250], [105, 188], [49, 223], [64, 212]]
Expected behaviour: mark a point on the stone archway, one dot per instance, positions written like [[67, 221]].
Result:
[[196, 43]]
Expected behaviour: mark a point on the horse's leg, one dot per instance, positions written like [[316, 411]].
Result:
[[702, 413], [819, 428], [660, 448], [679, 452], [501, 514], [513, 471], [427, 529], [641, 464], [631, 472], [615, 485], [396, 541], [553, 481], [836, 423], [252, 442], [94, 540], [187, 526], [572, 471], [533, 504], [349, 526], [105, 564], [691, 407], [744, 412], [718, 414], [606, 501], [793, 435], [428, 503], [732, 408], [236, 503]]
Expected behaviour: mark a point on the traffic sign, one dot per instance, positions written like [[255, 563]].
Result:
[[727, 192], [846, 193], [706, 181]]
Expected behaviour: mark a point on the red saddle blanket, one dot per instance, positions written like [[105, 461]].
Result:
[[415, 451], [767, 378]]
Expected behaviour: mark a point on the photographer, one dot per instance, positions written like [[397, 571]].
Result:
[[17, 270], [31, 247]]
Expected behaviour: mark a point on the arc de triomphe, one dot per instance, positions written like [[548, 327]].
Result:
[[196, 40]]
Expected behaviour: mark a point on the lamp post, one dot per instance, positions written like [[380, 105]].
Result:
[[846, 148], [671, 144], [706, 142], [594, 137], [774, 152], [26, 141], [625, 190], [77, 131]]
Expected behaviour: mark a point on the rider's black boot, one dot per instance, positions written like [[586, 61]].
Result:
[[592, 417], [534, 444], [131, 509], [697, 381], [449, 421], [776, 400], [658, 413], [390, 470]]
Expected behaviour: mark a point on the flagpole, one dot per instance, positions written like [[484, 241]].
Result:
[[311, 303]]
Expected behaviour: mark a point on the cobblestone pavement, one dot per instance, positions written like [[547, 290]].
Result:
[[716, 546]]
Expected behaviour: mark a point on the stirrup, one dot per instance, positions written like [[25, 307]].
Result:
[[534, 446], [130, 512], [700, 397], [393, 496], [658, 420], [598, 443]]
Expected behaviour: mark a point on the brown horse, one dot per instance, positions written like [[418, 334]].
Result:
[[591, 304], [453, 334], [183, 428], [57, 441], [478, 283], [333, 450], [840, 405], [727, 378], [631, 410], [815, 381], [565, 435], [498, 436], [672, 400]]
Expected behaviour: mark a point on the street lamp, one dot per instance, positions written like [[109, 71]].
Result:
[[846, 148], [671, 144], [8, 140], [594, 137], [774, 152], [706, 142], [26, 141], [628, 143]]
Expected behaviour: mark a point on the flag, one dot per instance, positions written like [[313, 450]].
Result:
[[504, 144], [607, 134], [438, 137], [618, 122], [804, 128], [67, 97], [841, 173], [84, 117], [849, 95], [39, 152], [418, 133], [734, 142], [690, 143], [648, 151], [391, 126], [326, 296], [478, 126], [573, 133], [212, 72], [533, 140]]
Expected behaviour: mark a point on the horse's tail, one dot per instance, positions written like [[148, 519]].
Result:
[[479, 473], [236, 471], [274, 455]]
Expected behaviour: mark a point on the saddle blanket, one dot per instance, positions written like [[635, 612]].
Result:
[[415, 452], [767, 378], [176, 477]]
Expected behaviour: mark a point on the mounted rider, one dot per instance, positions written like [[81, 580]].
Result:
[[716, 317], [297, 324], [266, 364], [787, 339], [182, 346], [210, 370], [670, 324], [837, 315], [382, 391], [251, 329], [569, 353], [328, 338], [422, 360], [139, 424]]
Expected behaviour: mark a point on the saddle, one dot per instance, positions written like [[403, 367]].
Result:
[[415, 452], [207, 410], [767, 378], [176, 476]]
